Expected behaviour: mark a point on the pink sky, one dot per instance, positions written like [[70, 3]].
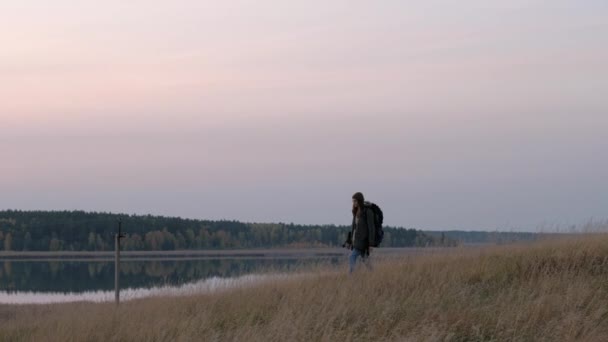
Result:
[[468, 115]]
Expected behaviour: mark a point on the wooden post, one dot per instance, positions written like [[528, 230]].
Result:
[[117, 263], [116, 268]]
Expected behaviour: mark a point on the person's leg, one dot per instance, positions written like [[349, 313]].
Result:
[[353, 259], [366, 261]]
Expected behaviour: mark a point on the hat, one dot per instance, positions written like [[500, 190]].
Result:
[[359, 197]]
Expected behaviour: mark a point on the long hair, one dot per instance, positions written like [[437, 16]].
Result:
[[360, 203]]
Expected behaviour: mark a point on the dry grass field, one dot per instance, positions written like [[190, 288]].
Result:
[[554, 290]]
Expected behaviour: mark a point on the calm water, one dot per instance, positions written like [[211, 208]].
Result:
[[34, 281]]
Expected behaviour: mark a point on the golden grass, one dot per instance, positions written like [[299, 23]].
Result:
[[547, 291]]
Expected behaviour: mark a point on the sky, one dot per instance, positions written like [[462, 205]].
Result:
[[473, 115]]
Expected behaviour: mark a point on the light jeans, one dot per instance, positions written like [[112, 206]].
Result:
[[353, 260]]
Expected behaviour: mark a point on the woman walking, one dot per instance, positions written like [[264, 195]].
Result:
[[362, 232]]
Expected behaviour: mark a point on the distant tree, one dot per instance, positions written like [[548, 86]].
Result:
[[190, 238], [152, 241], [55, 245], [168, 241], [134, 242], [27, 241], [92, 241], [8, 242], [204, 238], [99, 244]]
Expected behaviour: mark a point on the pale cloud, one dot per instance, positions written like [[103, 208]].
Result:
[[467, 114]]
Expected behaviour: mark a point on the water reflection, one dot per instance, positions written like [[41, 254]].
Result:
[[95, 276], [213, 284]]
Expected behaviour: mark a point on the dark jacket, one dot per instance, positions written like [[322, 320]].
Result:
[[363, 233]]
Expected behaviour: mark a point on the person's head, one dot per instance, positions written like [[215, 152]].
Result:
[[358, 200]]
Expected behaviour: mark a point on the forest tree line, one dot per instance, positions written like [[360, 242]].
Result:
[[94, 231]]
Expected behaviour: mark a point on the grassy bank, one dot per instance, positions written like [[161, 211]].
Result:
[[549, 290]]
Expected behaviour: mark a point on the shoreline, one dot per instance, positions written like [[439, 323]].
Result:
[[207, 254]]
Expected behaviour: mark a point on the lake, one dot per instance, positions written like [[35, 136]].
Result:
[[51, 277], [37, 280]]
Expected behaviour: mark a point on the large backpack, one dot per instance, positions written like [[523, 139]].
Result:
[[378, 219]]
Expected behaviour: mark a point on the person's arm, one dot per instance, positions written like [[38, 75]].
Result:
[[349, 239], [370, 227]]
